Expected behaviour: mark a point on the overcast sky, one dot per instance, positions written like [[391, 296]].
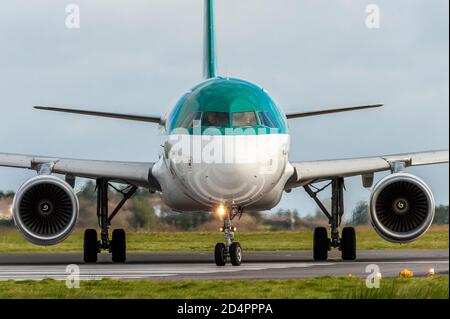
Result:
[[140, 56]]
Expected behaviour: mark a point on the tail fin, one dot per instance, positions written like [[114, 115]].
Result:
[[209, 58]]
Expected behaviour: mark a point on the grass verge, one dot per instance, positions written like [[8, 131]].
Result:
[[317, 288], [12, 242]]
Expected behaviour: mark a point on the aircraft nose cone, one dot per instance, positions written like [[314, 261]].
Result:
[[228, 182], [235, 170]]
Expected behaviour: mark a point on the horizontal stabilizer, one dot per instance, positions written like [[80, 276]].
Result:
[[130, 117], [330, 111]]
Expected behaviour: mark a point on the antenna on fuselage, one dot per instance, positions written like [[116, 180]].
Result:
[[209, 58]]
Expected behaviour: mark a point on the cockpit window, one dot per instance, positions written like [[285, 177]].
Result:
[[215, 119], [243, 119], [267, 119], [227, 103], [271, 120], [189, 120]]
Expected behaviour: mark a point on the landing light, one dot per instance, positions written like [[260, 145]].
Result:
[[221, 211]]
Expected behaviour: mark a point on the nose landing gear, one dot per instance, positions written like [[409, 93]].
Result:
[[229, 249]]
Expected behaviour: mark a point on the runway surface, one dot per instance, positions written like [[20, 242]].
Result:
[[256, 265]]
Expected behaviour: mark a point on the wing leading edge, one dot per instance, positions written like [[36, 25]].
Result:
[[136, 173], [314, 171]]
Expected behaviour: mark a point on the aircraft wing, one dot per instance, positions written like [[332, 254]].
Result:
[[139, 174], [315, 171]]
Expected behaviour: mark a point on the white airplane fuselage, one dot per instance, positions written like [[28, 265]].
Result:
[[226, 142], [254, 182]]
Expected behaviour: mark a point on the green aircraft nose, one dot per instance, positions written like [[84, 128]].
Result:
[[222, 103]]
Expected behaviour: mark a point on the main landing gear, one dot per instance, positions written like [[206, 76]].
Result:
[[229, 249], [117, 244], [346, 243]]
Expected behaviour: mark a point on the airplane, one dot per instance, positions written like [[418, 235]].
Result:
[[226, 150]]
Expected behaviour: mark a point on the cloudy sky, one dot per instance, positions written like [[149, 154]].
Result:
[[139, 56]]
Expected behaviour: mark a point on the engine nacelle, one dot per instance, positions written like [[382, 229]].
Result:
[[401, 208], [45, 210]]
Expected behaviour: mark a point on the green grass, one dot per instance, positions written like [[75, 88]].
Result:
[[318, 288], [12, 242]]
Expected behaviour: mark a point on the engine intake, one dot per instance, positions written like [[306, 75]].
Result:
[[45, 210], [401, 208]]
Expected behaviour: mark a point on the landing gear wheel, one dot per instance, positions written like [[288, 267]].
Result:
[[320, 244], [118, 246], [348, 243], [236, 254], [90, 246], [220, 254]]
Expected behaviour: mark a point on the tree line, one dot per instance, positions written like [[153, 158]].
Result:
[[146, 212]]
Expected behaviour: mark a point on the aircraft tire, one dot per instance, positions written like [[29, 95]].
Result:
[[220, 255], [320, 244], [236, 254], [90, 246], [118, 246], [348, 243]]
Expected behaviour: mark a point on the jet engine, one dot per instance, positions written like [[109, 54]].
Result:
[[45, 210], [401, 208]]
